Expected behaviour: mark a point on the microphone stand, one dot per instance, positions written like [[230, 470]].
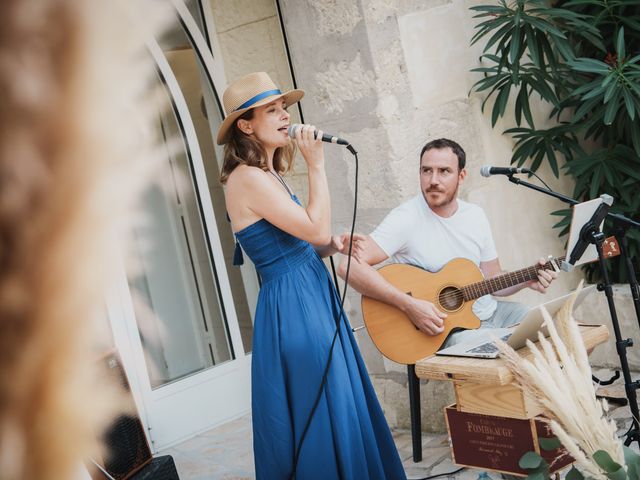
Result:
[[590, 233]]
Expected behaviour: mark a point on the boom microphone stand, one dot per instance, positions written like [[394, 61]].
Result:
[[591, 234]]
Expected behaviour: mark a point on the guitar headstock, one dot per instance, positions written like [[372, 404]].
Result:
[[610, 249], [553, 263]]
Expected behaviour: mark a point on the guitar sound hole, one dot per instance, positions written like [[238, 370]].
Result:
[[450, 298]]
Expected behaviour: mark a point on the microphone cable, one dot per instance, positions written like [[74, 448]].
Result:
[[337, 318], [541, 180]]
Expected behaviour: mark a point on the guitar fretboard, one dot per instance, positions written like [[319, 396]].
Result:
[[506, 280]]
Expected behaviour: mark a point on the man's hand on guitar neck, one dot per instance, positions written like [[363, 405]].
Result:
[[424, 315], [493, 269], [545, 277]]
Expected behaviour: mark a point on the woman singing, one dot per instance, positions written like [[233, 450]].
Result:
[[298, 307]]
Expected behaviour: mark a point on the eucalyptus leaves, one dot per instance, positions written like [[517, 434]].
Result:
[[539, 469]]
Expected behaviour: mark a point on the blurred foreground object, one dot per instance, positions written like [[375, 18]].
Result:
[[76, 145]]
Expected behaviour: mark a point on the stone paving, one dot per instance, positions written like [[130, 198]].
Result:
[[225, 453]]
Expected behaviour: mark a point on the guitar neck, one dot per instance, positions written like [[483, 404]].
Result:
[[495, 284]]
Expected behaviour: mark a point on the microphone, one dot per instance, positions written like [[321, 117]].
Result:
[[488, 170], [291, 131]]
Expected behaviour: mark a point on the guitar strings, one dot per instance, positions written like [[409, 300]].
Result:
[[459, 294]]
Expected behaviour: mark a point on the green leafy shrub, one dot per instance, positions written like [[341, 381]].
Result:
[[581, 57]]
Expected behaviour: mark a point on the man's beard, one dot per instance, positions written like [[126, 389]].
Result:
[[448, 198]]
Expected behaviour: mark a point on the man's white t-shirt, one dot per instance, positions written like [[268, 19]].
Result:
[[413, 234]]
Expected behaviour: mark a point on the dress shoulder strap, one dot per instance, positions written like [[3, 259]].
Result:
[[284, 184]]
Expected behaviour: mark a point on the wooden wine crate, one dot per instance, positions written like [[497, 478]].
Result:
[[497, 443], [493, 424], [502, 400]]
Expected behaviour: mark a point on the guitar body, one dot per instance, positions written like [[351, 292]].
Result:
[[453, 290], [395, 335]]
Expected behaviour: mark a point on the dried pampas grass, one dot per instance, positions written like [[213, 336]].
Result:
[[76, 144], [559, 379]]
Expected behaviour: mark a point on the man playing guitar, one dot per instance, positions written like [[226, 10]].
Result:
[[430, 230]]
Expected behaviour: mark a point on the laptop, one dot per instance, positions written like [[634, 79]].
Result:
[[516, 337]]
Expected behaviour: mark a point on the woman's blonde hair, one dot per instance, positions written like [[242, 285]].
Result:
[[243, 149]]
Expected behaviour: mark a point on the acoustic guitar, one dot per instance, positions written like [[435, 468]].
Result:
[[453, 290]]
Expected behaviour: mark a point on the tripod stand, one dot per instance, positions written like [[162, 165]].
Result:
[[621, 226], [591, 234]]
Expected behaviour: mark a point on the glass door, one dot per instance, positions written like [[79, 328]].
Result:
[[186, 320]]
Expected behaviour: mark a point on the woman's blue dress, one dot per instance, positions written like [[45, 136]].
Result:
[[348, 437]]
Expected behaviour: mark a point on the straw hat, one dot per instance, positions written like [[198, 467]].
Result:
[[248, 92]]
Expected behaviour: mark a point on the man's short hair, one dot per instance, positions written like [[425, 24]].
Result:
[[441, 143]]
